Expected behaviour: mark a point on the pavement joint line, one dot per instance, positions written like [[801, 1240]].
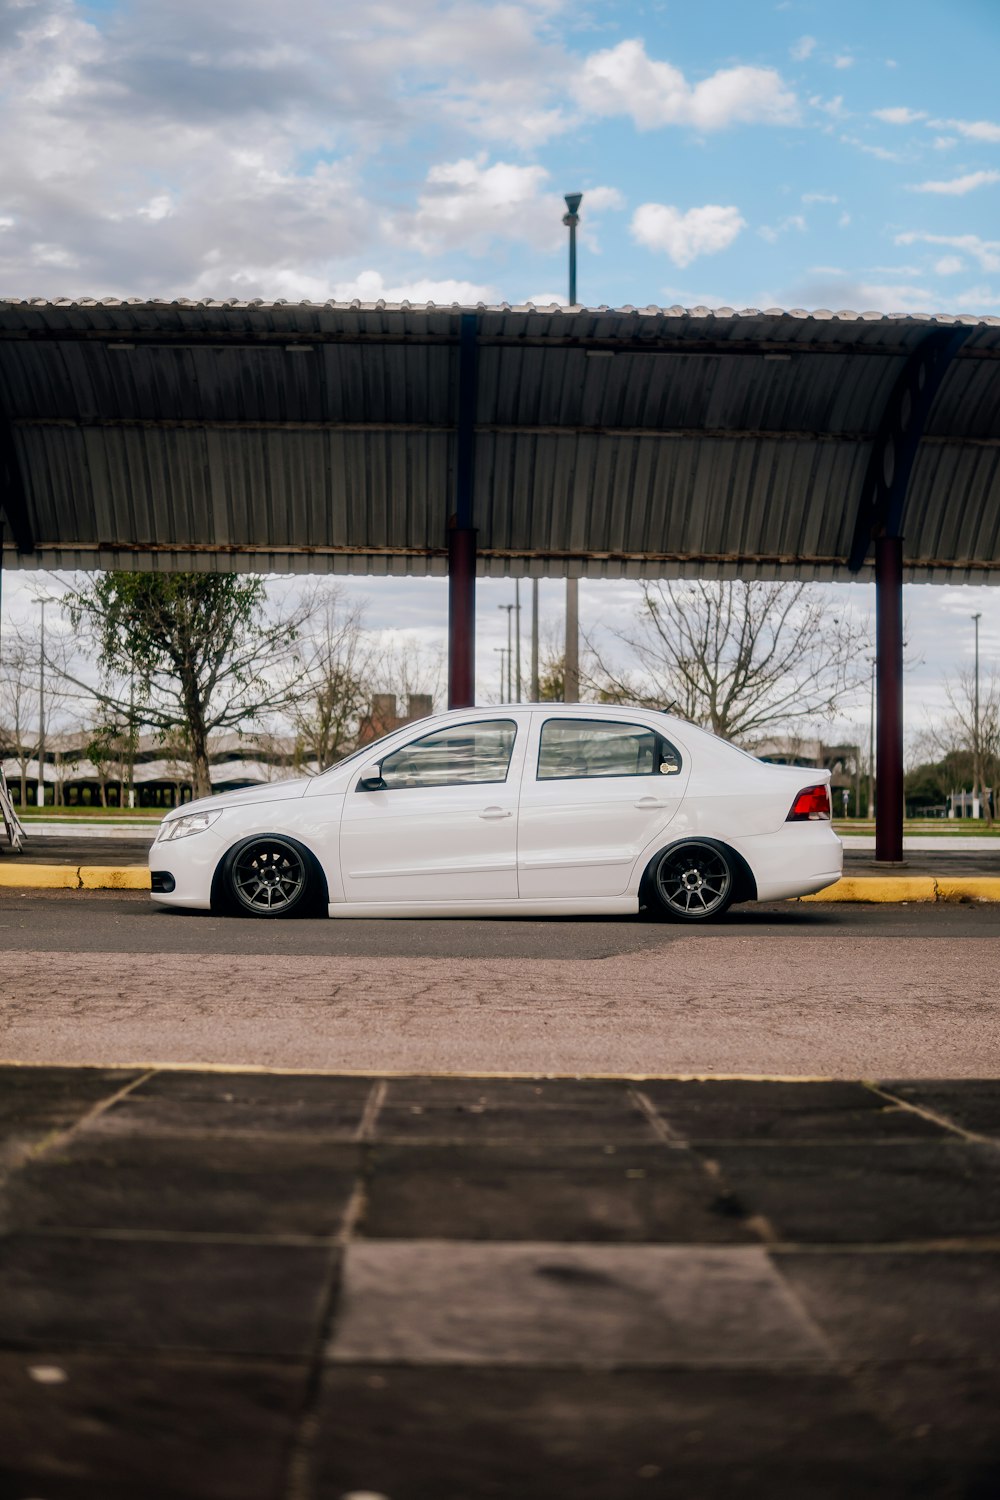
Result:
[[660, 1126], [933, 1116], [57, 1138], [518, 1075], [301, 1444]]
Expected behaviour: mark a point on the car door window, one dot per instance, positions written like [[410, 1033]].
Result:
[[575, 748], [461, 755]]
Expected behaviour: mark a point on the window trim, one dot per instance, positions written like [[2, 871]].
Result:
[[623, 776], [443, 785]]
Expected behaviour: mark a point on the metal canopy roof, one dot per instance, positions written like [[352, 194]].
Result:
[[608, 442]]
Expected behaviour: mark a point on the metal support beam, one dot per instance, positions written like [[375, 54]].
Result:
[[13, 498], [880, 518], [889, 692], [897, 438], [461, 532]]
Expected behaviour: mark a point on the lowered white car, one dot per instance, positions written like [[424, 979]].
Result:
[[522, 810]]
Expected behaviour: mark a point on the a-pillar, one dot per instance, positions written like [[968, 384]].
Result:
[[461, 531], [889, 690]]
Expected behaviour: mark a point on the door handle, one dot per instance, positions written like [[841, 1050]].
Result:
[[495, 812], [648, 803]]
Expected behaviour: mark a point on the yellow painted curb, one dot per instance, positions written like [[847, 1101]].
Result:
[[44, 877], [106, 878], [879, 888], [972, 888]]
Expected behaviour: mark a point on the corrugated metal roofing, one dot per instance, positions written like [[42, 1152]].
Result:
[[609, 442]]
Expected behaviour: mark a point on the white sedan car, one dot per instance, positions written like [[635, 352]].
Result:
[[533, 810]]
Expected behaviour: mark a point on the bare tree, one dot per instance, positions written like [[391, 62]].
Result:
[[407, 666], [961, 733], [335, 670], [19, 696], [740, 658]]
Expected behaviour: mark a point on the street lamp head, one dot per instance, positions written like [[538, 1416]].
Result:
[[573, 201]]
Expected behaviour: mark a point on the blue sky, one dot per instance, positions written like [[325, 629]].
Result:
[[743, 153]]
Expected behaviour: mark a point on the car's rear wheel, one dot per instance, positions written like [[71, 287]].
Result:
[[268, 877], [693, 882]]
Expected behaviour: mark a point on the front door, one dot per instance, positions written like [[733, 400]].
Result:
[[598, 793], [442, 824]]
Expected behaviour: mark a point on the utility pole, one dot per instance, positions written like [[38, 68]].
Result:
[[871, 751], [571, 664], [502, 653], [40, 791], [534, 640], [510, 647], [977, 761], [517, 617]]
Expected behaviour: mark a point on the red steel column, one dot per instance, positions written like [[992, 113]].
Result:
[[461, 617], [889, 688], [461, 532]]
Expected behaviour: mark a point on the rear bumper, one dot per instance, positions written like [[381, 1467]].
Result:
[[800, 860]]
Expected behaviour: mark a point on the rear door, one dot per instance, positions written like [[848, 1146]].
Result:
[[595, 793]]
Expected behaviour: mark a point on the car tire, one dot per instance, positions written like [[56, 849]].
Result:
[[269, 876], [693, 881]]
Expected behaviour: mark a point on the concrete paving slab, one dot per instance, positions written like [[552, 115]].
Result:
[[483, 1434], [196, 1185], [885, 1306], [867, 1193], [124, 1426], [972, 1106], [472, 1110], [236, 1104], [634, 1194], [947, 1416], [161, 1294], [37, 1102], [748, 1111], [431, 1302]]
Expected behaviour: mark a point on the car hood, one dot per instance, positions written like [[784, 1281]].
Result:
[[274, 791]]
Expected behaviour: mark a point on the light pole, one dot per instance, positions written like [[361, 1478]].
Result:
[[871, 749], [977, 769], [510, 646], [571, 665], [517, 636], [41, 599], [502, 653], [534, 640]]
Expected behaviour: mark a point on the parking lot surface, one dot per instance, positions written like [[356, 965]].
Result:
[[253, 1285], [850, 991]]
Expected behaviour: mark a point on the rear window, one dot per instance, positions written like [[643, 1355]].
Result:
[[574, 749]]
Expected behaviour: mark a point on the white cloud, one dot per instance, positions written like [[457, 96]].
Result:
[[844, 220], [771, 232], [844, 60], [820, 198], [622, 80], [803, 48], [944, 142], [899, 115], [949, 265], [833, 107], [986, 253], [825, 286], [957, 187], [370, 286], [881, 153], [686, 236], [472, 204], [973, 130]]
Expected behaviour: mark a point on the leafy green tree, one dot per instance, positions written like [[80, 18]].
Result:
[[198, 653]]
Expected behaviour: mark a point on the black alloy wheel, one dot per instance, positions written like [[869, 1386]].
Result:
[[694, 881], [268, 877]]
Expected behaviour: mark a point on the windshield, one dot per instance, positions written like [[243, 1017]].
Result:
[[369, 751]]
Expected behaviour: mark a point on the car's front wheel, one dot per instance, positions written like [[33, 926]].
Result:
[[693, 881], [268, 876]]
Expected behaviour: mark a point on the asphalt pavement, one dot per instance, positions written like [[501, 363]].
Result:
[[222, 1286]]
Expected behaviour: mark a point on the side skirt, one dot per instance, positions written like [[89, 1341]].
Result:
[[581, 906]]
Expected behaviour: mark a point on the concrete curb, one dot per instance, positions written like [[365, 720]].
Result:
[[865, 888]]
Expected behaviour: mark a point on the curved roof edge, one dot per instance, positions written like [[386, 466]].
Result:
[[822, 314]]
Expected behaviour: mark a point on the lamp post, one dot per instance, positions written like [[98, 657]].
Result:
[[41, 599], [510, 647], [571, 666], [517, 638], [977, 768], [502, 653], [871, 748]]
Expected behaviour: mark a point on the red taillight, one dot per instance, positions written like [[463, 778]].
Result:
[[812, 802]]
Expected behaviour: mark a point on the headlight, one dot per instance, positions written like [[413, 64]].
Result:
[[180, 828]]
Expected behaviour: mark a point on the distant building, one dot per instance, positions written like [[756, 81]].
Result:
[[384, 716]]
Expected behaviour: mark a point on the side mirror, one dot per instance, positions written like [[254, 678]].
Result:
[[370, 779]]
